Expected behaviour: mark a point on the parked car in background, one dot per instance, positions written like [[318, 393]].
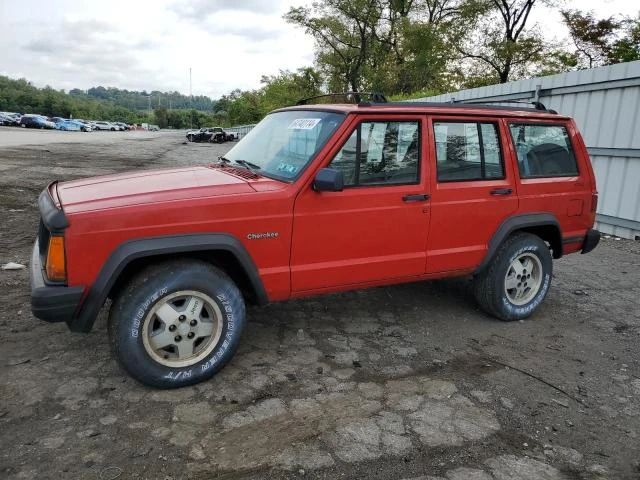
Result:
[[105, 126], [34, 121], [73, 125], [88, 126], [15, 116], [121, 125], [7, 120], [48, 123], [154, 128], [208, 134]]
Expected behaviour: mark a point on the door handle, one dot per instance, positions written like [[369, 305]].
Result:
[[422, 197], [501, 191]]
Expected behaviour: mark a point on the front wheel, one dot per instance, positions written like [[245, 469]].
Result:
[[518, 279], [177, 323]]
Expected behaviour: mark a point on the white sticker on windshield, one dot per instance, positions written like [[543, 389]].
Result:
[[304, 123]]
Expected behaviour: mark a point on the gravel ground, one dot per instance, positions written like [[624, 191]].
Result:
[[402, 382]]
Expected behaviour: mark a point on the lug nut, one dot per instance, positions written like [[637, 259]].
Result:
[[193, 322], [191, 335], [178, 338], [182, 318], [172, 328]]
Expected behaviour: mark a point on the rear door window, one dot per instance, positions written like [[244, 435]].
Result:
[[543, 150], [467, 151]]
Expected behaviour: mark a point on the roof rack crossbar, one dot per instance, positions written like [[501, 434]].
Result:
[[352, 97]]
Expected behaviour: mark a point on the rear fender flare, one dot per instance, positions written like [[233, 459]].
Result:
[[513, 224], [147, 247]]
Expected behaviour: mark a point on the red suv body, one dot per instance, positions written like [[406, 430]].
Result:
[[316, 199]]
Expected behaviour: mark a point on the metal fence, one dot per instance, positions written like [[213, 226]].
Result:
[[605, 103], [240, 130]]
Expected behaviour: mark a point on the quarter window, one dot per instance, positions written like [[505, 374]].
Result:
[[467, 151], [543, 151], [380, 153]]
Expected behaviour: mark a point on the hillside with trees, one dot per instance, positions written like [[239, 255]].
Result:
[[134, 100]]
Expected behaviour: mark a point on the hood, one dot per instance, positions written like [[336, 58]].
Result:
[[149, 186]]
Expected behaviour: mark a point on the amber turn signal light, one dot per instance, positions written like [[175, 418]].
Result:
[[56, 268]]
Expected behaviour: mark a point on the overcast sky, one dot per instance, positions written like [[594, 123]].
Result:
[[150, 45]]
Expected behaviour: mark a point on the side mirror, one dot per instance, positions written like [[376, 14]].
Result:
[[328, 180]]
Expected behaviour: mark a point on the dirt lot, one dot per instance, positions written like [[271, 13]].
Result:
[[402, 382]]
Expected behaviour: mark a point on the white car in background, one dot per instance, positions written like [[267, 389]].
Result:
[[105, 126]]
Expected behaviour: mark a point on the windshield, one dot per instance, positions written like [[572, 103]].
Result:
[[283, 143]]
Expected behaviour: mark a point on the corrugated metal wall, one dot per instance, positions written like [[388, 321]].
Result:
[[605, 103]]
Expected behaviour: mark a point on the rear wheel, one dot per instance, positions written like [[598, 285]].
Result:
[[518, 279], [176, 323]]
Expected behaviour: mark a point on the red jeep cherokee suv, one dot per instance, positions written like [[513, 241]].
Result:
[[315, 199]]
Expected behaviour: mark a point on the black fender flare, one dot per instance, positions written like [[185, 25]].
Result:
[[53, 218], [519, 222], [132, 250]]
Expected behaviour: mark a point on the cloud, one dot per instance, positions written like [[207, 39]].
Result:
[[250, 32], [253, 21], [203, 9]]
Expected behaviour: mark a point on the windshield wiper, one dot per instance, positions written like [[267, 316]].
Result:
[[223, 160], [248, 165]]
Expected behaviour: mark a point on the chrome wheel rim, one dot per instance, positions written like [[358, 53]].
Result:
[[523, 279], [182, 328]]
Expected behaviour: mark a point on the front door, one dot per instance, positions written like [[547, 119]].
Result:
[[376, 228], [472, 189]]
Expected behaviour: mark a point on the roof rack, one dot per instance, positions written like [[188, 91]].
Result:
[[536, 105], [350, 97]]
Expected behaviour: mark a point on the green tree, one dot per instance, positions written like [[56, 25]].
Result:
[[161, 117], [627, 48], [602, 41], [344, 31], [503, 44]]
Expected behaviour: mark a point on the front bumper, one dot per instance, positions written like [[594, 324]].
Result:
[[591, 240], [51, 303]]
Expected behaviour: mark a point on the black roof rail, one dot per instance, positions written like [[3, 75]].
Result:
[[536, 105], [350, 97]]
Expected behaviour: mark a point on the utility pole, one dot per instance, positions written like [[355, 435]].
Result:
[[149, 97], [190, 101]]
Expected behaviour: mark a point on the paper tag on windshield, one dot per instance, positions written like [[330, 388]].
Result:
[[304, 123]]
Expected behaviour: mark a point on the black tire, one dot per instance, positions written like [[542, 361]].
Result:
[[190, 138], [489, 286], [134, 306]]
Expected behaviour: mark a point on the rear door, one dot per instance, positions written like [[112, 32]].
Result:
[[473, 189]]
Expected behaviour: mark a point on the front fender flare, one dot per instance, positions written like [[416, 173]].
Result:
[[147, 247]]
